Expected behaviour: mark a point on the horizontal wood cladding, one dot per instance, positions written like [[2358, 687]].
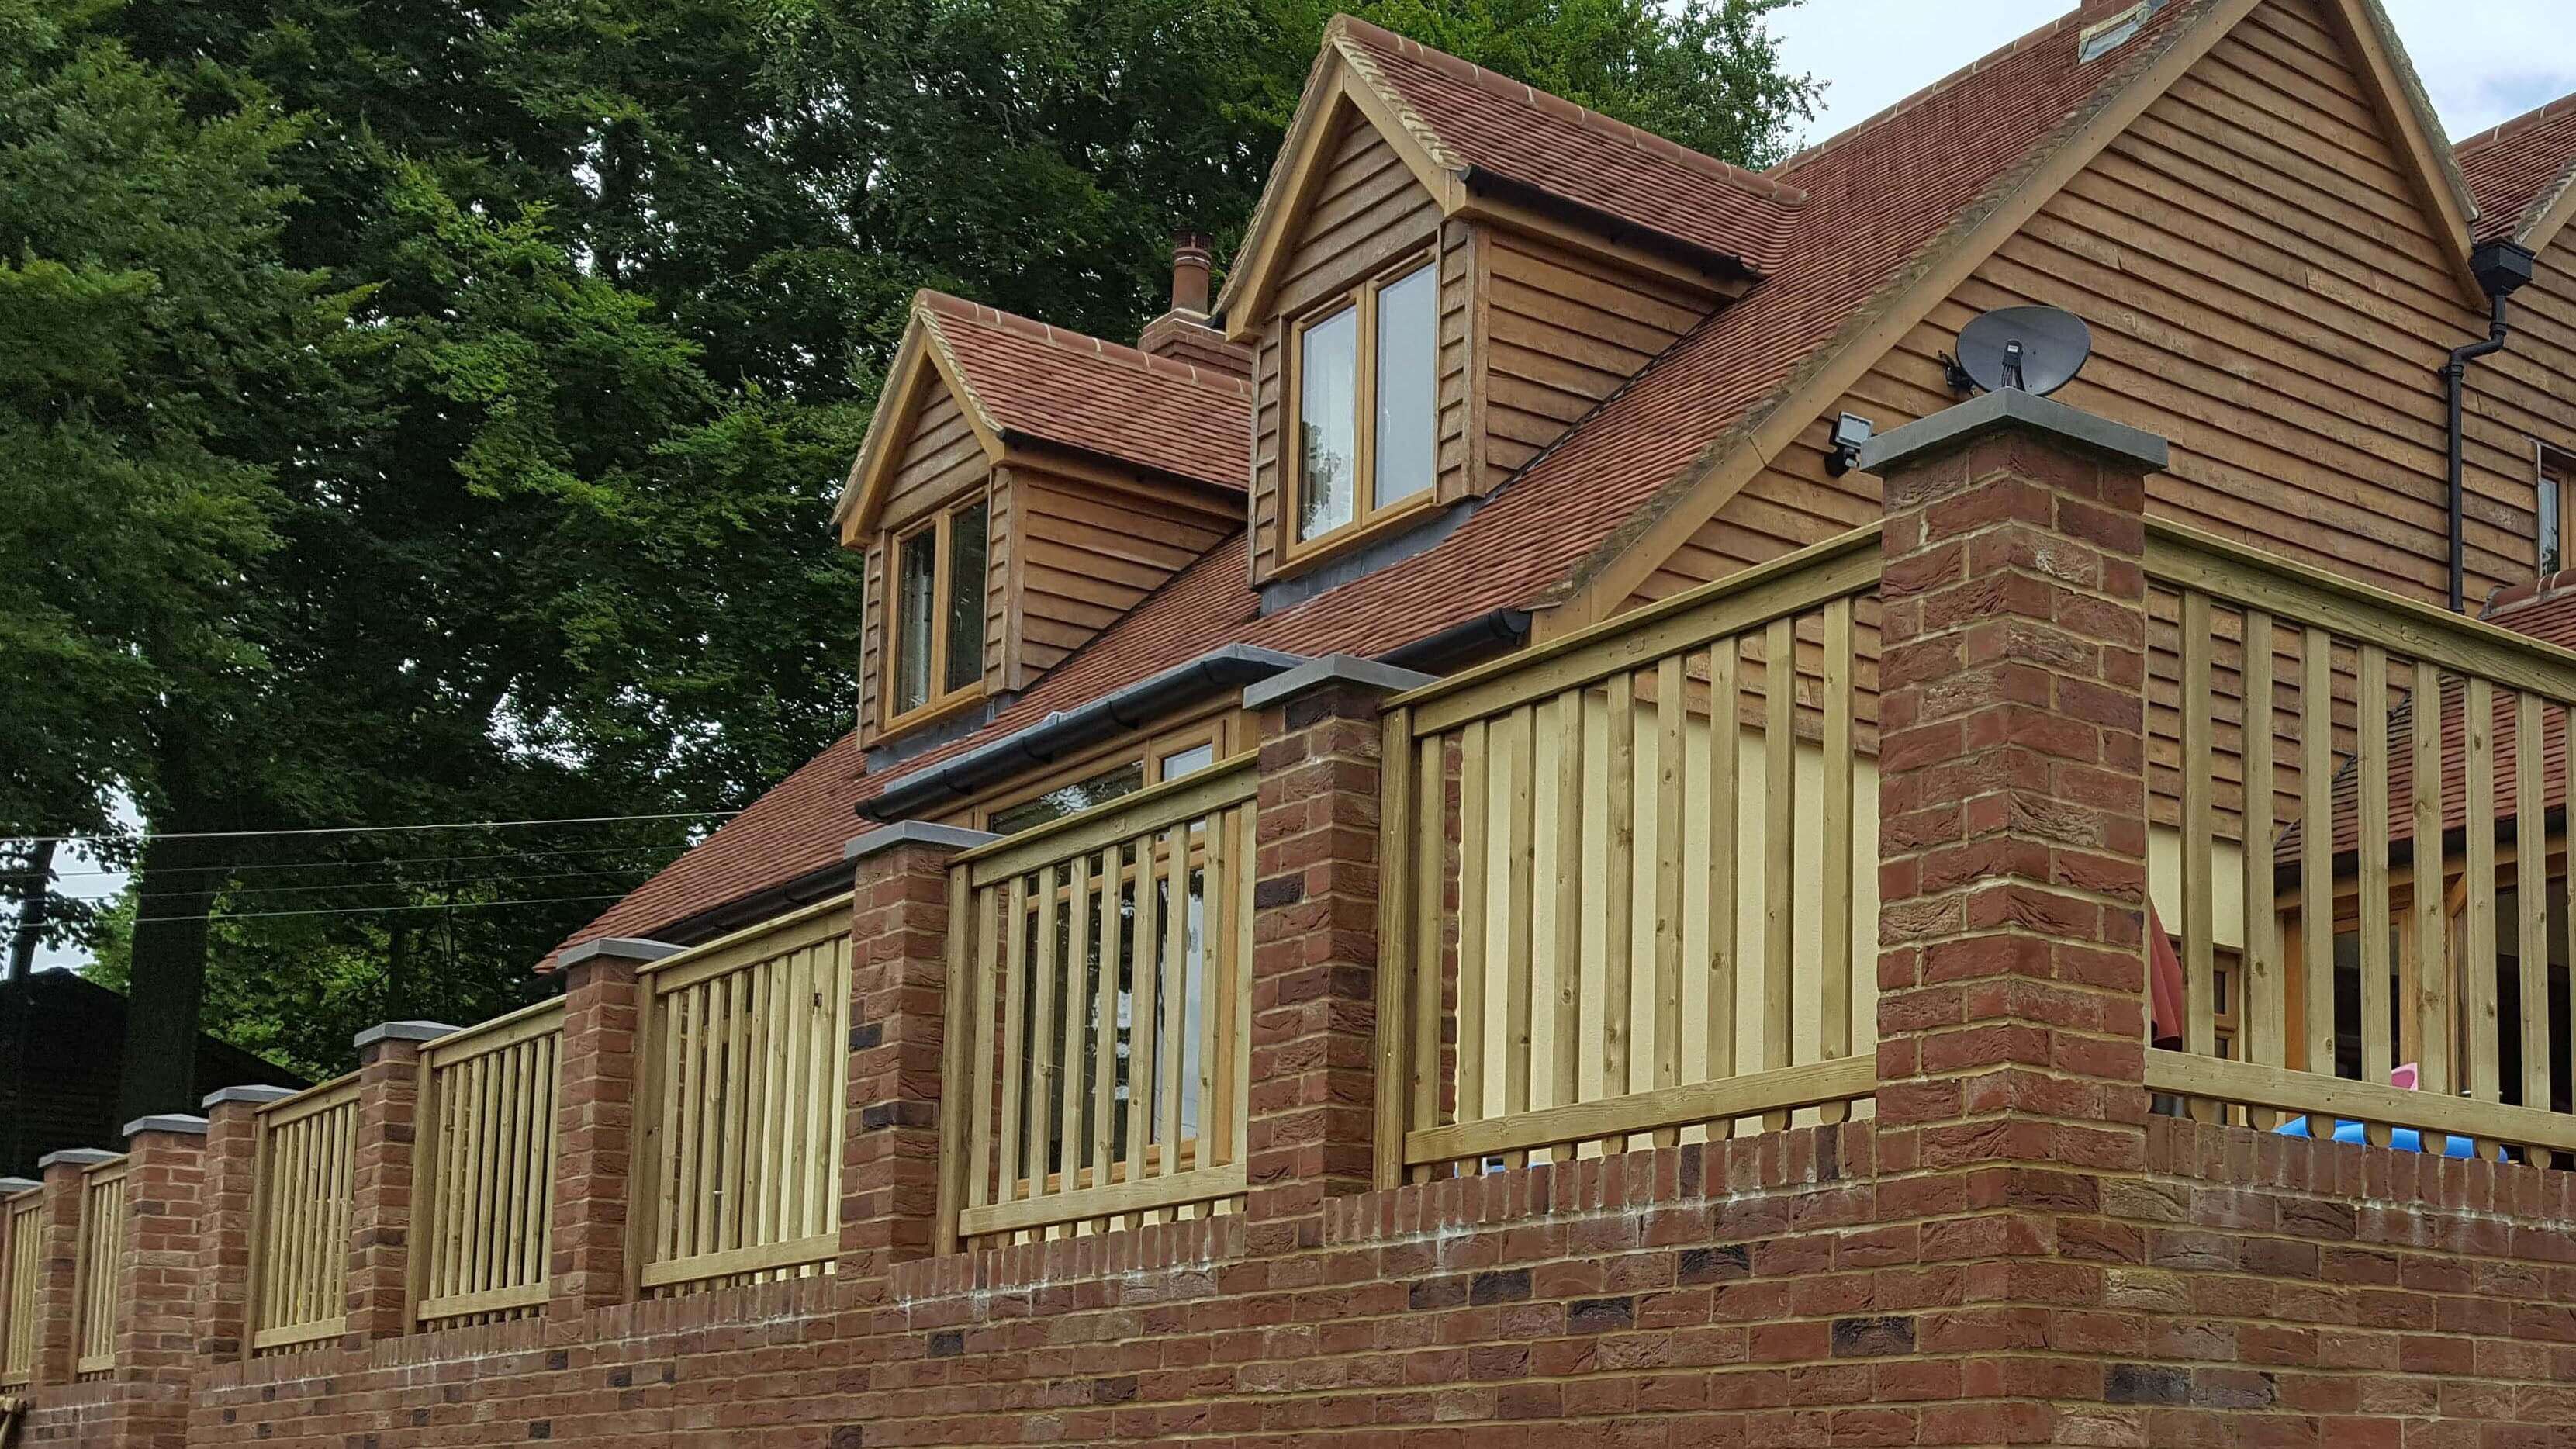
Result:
[[1562, 331], [2265, 292], [1366, 212], [1084, 554]]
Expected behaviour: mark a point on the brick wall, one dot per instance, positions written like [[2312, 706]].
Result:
[[2009, 1251]]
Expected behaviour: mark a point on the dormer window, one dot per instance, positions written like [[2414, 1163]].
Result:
[[1367, 405], [939, 611]]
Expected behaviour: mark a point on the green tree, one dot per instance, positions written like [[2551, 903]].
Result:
[[545, 535]]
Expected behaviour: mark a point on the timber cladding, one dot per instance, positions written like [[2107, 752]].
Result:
[[1807, 1287]]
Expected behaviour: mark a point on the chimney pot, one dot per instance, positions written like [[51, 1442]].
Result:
[[1192, 263]]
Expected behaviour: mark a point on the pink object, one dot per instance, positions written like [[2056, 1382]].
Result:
[[2404, 1078], [2164, 984]]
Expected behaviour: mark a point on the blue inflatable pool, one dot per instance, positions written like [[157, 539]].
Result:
[[2404, 1139]]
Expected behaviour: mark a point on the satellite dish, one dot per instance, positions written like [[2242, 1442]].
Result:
[[2026, 349]]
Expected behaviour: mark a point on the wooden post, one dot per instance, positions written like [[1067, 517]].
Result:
[[1312, 1118], [380, 1202], [228, 1163], [891, 1160], [58, 1271], [595, 1125], [2012, 788]]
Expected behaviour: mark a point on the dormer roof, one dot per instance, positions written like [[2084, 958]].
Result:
[[2524, 173], [1021, 380]]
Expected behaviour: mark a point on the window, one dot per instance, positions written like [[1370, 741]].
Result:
[[1367, 410], [938, 612], [1104, 778], [2557, 510]]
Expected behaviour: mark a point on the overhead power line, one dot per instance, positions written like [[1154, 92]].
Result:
[[383, 910], [378, 885], [378, 862], [382, 829]]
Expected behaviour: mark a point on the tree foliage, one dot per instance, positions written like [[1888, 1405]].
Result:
[[430, 410]]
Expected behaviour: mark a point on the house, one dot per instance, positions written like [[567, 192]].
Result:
[[1524, 826]]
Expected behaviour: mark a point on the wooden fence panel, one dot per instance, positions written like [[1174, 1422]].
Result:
[[1661, 840], [2404, 885], [19, 1275], [739, 1106], [1101, 965], [484, 1190], [98, 1269], [305, 1172]]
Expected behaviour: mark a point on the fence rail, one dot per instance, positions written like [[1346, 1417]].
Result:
[[1625, 867], [740, 1106], [24, 1218], [2393, 782], [1101, 969], [306, 1155], [485, 1191], [99, 1265]]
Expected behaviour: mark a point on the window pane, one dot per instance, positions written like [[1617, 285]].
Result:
[[2552, 521], [915, 579], [1328, 423], [1187, 762], [965, 599], [1058, 803], [1408, 409]]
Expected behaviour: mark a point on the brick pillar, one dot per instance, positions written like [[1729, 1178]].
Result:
[[58, 1269], [595, 1124], [380, 1196], [156, 1307], [2013, 876], [1312, 1128], [228, 1163], [2012, 787], [898, 989]]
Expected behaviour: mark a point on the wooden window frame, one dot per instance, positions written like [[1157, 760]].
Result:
[[2554, 478], [1367, 517], [1148, 752], [941, 522]]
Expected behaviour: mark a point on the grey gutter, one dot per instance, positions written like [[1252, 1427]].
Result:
[[1468, 640], [1120, 711]]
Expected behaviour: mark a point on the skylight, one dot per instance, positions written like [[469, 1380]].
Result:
[[2104, 36]]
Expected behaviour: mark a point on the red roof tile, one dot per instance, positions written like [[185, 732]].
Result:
[[2520, 168], [1876, 198], [1076, 390], [1470, 116]]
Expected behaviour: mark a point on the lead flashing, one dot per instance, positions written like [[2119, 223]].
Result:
[[2012, 410], [1334, 669], [621, 948], [404, 1031], [915, 832], [167, 1122], [13, 1186], [75, 1157], [255, 1096]]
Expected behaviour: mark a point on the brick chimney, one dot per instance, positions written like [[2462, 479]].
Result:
[[1184, 333]]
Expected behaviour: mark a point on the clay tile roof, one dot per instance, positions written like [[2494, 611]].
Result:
[[2521, 168], [1068, 388], [1467, 116], [1876, 199]]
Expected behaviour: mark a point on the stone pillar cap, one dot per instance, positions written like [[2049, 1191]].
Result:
[[1334, 669], [167, 1122], [256, 1096], [915, 832], [12, 1186], [621, 948], [404, 1031], [2011, 410], [76, 1157]]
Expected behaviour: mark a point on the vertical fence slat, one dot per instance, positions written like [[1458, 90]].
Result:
[[1474, 864], [1430, 914], [1565, 1055], [1619, 895], [1043, 1099], [1519, 950], [1725, 753], [2199, 920], [2478, 964], [1144, 1014], [2429, 1002], [1779, 850], [2316, 875], [1672, 741], [1077, 977], [2260, 999], [1016, 994], [2531, 901], [1176, 1000], [1834, 898], [2370, 722], [1104, 1045]]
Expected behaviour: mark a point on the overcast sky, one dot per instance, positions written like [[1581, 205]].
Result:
[[2484, 61]]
